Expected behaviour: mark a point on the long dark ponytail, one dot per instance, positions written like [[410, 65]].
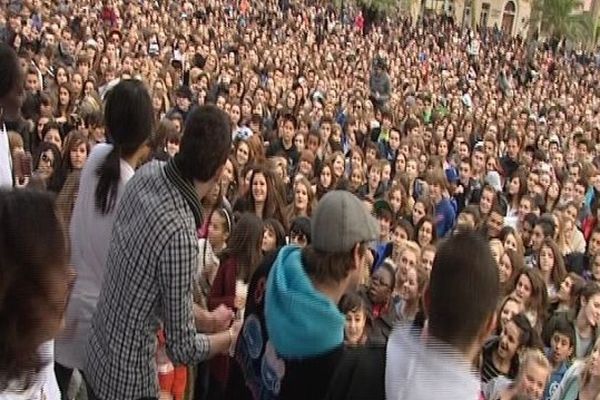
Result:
[[129, 123]]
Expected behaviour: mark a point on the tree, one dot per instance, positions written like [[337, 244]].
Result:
[[381, 6], [562, 19], [374, 9]]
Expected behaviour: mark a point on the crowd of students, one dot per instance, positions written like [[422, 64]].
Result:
[[319, 206]]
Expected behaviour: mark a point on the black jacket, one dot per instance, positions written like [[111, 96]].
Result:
[[360, 374], [249, 379]]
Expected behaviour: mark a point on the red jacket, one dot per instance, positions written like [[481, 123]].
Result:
[[588, 225], [222, 292]]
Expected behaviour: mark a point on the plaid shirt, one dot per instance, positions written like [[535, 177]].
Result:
[[152, 257]]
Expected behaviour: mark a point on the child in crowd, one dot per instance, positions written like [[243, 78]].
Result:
[[356, 329], [562, 347]]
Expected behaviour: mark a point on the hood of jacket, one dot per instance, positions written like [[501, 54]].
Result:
[[301, 321]]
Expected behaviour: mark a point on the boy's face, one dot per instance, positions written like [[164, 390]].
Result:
[[288, 131], [384, 227], [562, 348]]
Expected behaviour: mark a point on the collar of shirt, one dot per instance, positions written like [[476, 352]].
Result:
[[186, 188]]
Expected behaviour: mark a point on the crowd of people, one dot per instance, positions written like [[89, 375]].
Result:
[[276, 200]]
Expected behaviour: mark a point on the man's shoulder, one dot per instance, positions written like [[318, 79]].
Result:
[[150, 193]]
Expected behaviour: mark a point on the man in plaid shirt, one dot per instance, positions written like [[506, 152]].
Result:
[[152, 257]]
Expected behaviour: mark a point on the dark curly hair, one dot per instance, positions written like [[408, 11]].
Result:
[[33, 258]]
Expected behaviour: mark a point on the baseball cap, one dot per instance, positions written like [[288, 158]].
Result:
[[340, 222]]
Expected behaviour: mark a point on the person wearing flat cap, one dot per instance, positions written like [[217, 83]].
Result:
[[293, 333]]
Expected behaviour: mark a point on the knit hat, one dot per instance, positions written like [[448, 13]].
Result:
[[340, 222], [308, 156]]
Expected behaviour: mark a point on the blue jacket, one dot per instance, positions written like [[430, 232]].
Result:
[[445, 214], [555, 377]]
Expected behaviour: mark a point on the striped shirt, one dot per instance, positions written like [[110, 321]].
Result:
[[152, 258]]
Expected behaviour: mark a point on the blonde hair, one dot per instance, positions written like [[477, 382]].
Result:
[[408, 245], [534, 356]]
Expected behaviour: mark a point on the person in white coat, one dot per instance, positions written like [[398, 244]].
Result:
[[129, 125]]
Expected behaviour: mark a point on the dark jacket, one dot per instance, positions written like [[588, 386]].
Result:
[[381, 325], [259, 371], [360, 374]]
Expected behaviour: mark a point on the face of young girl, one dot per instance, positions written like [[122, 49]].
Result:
[[301, 196], [533, 380], [396, 200], [410, 288], [418, 212], [509, 340], [242, 154], [78, 156], [546, 259], [386, 173], [510, 309], [425, 235], [269, 241], [259, 188], [356, 179], [411, 169], [427, 260], [505, 268], [510, 242], [53, 136], [523, 289], [217, 236], [355, 326]]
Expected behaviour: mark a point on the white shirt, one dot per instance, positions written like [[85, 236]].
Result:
[[90, 237], [418, 371], [44, 387], [6, 178]]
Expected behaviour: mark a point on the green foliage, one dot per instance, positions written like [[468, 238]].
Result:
[[378, 5], [562, 19]]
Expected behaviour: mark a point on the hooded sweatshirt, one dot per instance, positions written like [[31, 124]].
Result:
[[292, 338], [416, 370]]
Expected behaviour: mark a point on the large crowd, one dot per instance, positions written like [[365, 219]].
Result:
[[285, 200]]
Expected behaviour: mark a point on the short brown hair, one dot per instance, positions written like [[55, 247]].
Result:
[[329, 267]]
